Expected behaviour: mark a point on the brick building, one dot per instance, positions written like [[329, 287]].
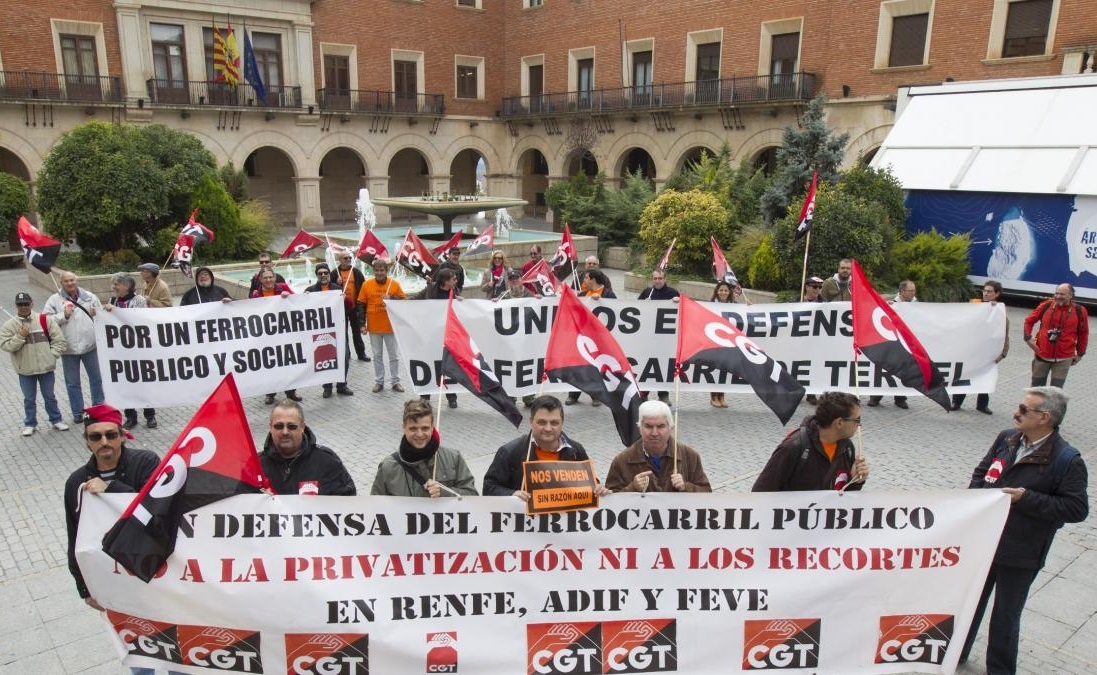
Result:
[[409, 96]]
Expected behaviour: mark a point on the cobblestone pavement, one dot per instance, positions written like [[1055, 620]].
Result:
[[46, 628]]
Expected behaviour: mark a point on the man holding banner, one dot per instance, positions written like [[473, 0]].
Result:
[[657, 462]]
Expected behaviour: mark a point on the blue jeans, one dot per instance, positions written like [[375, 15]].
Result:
[[30, 384], [386, 342], [71, 363], [1010, 587]]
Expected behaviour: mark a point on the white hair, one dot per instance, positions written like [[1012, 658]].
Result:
[[650, 409]]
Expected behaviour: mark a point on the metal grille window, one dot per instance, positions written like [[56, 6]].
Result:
[[908, 40], [1027, 28]]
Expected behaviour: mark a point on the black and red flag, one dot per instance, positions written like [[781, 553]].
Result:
[[583, 353], [303, 242], [562, 262], [540, 280], [200, 232], [454, 242], [885, 339], [665, 260], [415, 257], [707, 339], [41, 251], [463, 363], [183, 253], [803, 226], [721, 270], [371, 248], [483, 243], [213, 458]]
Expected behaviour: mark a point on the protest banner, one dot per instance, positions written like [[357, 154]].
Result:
[[559, 486], [813, 341], [826, 583], [269, 344]]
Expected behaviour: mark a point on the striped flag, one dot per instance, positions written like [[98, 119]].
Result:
[[226, 56]]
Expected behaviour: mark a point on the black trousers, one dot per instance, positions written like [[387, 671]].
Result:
[[1010, 586]]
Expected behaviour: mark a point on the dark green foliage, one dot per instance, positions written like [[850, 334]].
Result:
[[880, 186], [110, 186], [938, 265], [14, 201], [811, 147], [235, 181], [612, 216], [218, 212], [739, 190]]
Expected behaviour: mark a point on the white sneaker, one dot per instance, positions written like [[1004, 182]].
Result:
[[27, 431], [60, 426]]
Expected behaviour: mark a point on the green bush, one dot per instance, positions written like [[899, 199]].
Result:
[[14, 201], [589, 208], [690, 218], [219, 213], [743, 247], [121, 260], [939, 266], [256, 228], [765, 271], [235, 182]]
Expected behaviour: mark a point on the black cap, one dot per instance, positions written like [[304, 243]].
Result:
[[514, 274], [23, 299]]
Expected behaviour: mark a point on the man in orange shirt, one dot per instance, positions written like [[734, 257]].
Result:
[[351, 279], [371, 304]]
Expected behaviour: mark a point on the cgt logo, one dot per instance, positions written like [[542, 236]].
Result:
[[220, 648], [325, 352], [146, 638], [781, 643], [649, 646], [914, 638], [442, 652], [564, 648], [327, 654]]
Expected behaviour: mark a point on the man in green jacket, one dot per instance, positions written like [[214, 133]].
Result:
[[35, 342], [421, 467]]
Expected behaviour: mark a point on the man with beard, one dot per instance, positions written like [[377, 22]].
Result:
[[295, 463], [422, 467], [836, 288], [204, 290], [1062, 338]]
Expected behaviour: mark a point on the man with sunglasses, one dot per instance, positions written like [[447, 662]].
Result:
[[819, 455], [295, 463], [112, 467], [1045, 478], [35, 343], [350, 278], [264, 265], [325, 282]]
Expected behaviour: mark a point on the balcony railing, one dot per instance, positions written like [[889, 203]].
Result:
[[703, 93], [180, 92], [373, 101], [60, 87]]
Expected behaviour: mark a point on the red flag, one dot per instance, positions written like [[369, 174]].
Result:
[[665, 260], [336, 249], [721, 270], [415, 256], [41, 250], [707, 339], [183, 252], [200, 232], [582, 352], [483, 243], [562, 262], [885, 339], [541, 280], [454, 242], [463, 363], [213, 458], [301, 243], [371, 248], [808, 211]]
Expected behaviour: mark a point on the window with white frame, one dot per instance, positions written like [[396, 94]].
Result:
[[469, 73], [532, 3], [1021, 28], [903, 33], [79, 48], [533, 81], [640, 66], [472, 4], [779, 48], [703, 54], [581, 76], [407, 79]]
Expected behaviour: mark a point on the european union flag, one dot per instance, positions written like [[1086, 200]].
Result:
[[251, 70]]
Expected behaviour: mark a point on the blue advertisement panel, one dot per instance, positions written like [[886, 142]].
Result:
[[1030, 243]]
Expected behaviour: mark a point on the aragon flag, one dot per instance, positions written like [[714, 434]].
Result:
[[707, 339], [582, 352], [213, 458], [304, 241], [415, 257], [463, 363], [884, 339], [41, 251]]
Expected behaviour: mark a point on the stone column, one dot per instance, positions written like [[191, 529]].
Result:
[[439, 183], [378, 186], [131, 44], [302, 33], [308, 202]]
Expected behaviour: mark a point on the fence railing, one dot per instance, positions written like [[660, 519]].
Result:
[[701, 93], [60, 87], [191, 92], [376, 101]]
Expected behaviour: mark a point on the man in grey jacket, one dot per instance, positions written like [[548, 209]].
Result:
[[35, 342], [74, 308]]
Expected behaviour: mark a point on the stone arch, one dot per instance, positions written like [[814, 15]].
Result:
[[489, 153], [694, 139], [528, 143], [756, 143], [298, 158], [272, 177], [533, 173], [23, 151], [692, 155], [464, 175], [636, 158], [615, 154], [870, 140], [413, 142], [342, 139], [343, 172], [408, 172]]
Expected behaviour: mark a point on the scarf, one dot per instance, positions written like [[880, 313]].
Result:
[[411, 455]]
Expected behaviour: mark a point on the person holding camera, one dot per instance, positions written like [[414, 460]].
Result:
[[1062, 337]]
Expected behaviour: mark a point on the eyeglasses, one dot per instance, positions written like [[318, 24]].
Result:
[[264, 262], [279, 426], [323, 273], [22, 304], [852, 420], [95, 436], [1024, 409]]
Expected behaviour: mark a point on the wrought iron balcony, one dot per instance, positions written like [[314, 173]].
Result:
[[678, 95], [375, 101], [23, 85], [200, 93]]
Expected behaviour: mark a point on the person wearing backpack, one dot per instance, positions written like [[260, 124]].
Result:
[[35, 342], [1045, 478], [1062, 338]]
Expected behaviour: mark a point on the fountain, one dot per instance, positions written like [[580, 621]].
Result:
[[503, 222], [447, 206], [363, 213]]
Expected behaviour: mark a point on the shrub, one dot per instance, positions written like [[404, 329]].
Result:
[[740, 251], [690, 218], [121, 260], [765, 271], [256, 228], [219, 213], [14, 201], [939, 265], [235, 182]]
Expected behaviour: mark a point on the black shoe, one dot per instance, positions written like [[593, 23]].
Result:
[[812, 399], [130, 423], [270, 399], [294, 396], [327, 392], [363, 357], [985, 411], [452, 402], [344, 391], [78, 418], [570, 401], [901, 403], [151, 423], [872, 402]]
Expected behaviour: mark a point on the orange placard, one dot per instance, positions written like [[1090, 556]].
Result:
[[560, 486]]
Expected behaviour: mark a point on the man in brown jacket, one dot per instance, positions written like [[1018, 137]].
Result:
[[653, 463]]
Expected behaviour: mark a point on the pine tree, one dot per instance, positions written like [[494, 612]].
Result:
[[812, 147]]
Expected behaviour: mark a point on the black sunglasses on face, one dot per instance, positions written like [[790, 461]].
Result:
[[285, 425], [95, 436]]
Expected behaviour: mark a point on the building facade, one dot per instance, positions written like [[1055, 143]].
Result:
[[407, 97]]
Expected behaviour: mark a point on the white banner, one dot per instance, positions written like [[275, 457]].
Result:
[[696, 584], [269, 344], [813, 341]]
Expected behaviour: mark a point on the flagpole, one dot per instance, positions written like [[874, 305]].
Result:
[[804, 275], [438, 425], [677, 395], [56, 285]]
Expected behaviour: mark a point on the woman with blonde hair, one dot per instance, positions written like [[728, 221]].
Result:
[[494, 280]]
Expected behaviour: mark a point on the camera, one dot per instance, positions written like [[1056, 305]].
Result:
[[1053, 334]]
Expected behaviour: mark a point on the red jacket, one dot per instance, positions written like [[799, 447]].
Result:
[[1072, 322]]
